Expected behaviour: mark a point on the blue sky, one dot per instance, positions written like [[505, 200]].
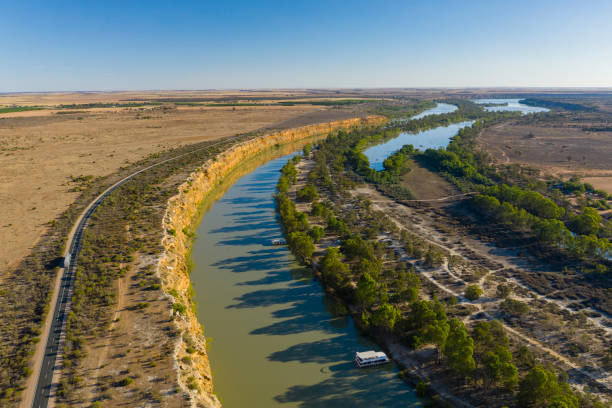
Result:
[[114, 45]]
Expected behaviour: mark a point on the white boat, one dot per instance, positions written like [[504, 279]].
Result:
[[370, 358], [279, 241]]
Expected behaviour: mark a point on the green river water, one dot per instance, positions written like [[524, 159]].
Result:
[[274, 340]]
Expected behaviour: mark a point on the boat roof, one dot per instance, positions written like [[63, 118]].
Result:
[[370, 354]]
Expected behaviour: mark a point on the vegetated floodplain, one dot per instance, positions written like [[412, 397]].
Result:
[[378, 269]]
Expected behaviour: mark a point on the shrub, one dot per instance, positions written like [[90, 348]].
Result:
[[514, 308], [316, 233], [421, 389], [192, 383], [503, 291], [180, 308], [308, 193], [473, 292], [125, 382]]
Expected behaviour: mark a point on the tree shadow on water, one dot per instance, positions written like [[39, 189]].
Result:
[[267, 224], [243, 213], [324, 351], [352, 387], [270, 297], [260, 237], [270, 279], [242, 200]]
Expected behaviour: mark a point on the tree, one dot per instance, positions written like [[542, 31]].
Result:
[[319, 210], [386, 316], [407, 285], [302, 246], [283, 184], [373, 267], [302, 221], [586, 223], [366, 290], [290, 172], [431, 324], [459, 349], [436, 333], [473, 292], [525, 357], [542, 388], [433, 257], [308, 193], [498, 367], [334, 270], [316, 233], [488, 335], [307, 149], [355, 246]]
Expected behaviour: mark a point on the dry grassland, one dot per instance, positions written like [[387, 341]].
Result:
[[42, 152], [562, 150]]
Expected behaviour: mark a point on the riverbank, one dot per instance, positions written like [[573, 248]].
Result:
[[192, 365]]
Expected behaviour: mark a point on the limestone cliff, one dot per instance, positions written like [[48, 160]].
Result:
[[191, 359]]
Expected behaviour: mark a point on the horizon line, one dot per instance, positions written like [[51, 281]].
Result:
[[405, 88]]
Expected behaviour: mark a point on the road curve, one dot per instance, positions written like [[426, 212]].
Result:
[[46, 359]]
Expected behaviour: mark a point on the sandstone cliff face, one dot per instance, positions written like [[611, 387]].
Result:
[[193, 373]]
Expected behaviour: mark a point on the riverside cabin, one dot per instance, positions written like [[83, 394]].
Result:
[[370, 358]]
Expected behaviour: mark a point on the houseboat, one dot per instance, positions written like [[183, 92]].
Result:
[[279, 241], [370, 358]]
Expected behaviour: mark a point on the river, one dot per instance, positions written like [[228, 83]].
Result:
[[427, 139], [440, 108], [508, 104], [440, 136], [275, 341]]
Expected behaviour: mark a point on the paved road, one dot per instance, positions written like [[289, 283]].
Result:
[[53, 348]]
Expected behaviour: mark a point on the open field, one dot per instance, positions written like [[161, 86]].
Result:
[[425, 184], [563, 145], [46, 158]]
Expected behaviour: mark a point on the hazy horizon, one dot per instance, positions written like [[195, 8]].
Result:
[[75, 46]]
